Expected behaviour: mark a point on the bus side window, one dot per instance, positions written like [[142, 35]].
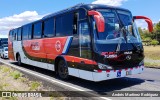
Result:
[[49, 28], [85, 40], [30, 31], [84, 34], [64, 25], [19, 36], [37, 30], [25, 33], [14, 35], [82, 14]]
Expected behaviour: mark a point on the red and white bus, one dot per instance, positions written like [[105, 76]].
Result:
[[92, 42]]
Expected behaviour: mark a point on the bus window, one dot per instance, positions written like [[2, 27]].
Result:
[[84, 40], [49, 28], [25, 33], [19, 36], [30, 31], [15, 35], [82, 14], [37, 32], [64, 25]]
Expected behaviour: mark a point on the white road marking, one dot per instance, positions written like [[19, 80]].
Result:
[[54, 81]]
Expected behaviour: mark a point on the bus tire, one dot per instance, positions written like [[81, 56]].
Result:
[[63, 70], [19, 60]]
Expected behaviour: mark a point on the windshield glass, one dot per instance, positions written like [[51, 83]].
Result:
[[129, 27], [119, 28]]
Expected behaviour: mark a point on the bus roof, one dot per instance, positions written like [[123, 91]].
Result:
[[78, 6], [84, 6]]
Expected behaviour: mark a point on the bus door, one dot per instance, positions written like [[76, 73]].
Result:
[[84, 47]]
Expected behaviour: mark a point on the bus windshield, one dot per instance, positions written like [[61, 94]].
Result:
[[119, 27]]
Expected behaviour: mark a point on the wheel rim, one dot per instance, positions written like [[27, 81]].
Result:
[[63, 70]]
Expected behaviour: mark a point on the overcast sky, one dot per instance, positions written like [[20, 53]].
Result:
[[14, 13]]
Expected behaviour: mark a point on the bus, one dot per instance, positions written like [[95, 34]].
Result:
[[89, 41], [3, 44]]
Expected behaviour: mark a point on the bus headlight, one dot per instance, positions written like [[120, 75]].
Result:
[[103, 66]]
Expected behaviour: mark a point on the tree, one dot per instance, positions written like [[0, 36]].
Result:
[[157, 30], [147, 37], [157, 27], [147, 41], [154, 42], [141, 33]]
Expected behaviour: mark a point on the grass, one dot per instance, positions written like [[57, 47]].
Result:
[[12, 80], [3, 85], [16, 74], [5, 69], [150, 64], [152, 52], [152, 56], [23, 79], [34, 85]]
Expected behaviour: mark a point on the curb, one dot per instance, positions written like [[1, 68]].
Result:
[[152, 67]]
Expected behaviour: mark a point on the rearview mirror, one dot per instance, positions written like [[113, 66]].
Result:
[[149, 21], [99, 20]]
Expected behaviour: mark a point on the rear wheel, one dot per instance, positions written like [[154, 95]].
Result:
[[19, 60], [63, 70]]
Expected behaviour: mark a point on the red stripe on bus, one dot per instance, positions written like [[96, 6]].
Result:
[[78, 60]]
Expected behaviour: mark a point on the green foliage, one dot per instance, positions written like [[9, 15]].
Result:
[[154, 42], [34, 85], [147, 37], [16, 74], [23, 79], [157, 27], [5, 69]]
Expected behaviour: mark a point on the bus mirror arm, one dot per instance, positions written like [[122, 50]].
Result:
[[100, 22], [149, 21]]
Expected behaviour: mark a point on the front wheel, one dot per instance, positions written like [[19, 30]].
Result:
[[63, 70], [19, 60]]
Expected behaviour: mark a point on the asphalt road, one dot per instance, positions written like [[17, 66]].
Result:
[[149, 80]]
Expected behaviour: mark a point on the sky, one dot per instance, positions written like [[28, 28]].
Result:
[[14, 13]]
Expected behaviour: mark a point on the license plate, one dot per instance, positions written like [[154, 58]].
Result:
[[119, 74]]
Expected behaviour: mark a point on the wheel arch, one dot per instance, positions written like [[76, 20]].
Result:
[[17, 54], [58, 58]]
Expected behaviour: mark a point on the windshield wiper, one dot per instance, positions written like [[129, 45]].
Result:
[[123, 31]]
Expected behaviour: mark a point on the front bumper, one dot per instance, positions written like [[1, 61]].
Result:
[[111, 74], [5, 55]]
